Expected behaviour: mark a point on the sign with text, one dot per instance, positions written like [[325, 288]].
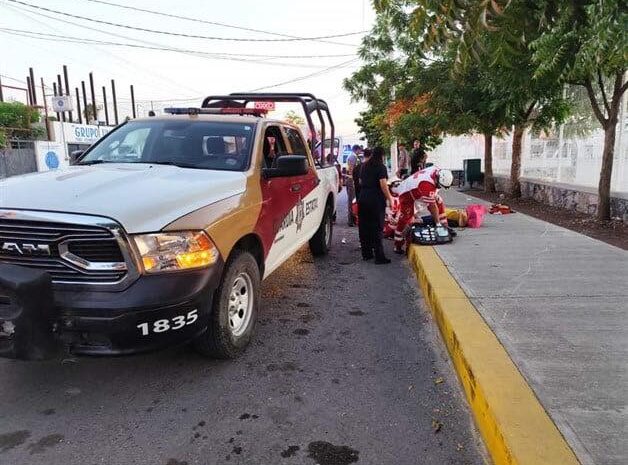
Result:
[[268, 106], [82, 133]]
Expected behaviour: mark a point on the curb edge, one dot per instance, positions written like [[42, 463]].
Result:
[[515, 427]]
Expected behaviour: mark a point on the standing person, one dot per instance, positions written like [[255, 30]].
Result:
[[418, 159], [366, 155], [403, 162], [422, 186], [372, 206], [352, 161]]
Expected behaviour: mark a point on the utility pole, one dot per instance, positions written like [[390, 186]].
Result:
[[29, 91], [43, 96], [54, 92], [91, 85], [78, 105], [115, 101], [32, 79], [67, 88], [85, 102], [133, 101], [104, 99], [60, 90]]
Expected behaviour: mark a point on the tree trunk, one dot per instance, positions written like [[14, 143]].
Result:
[[489, 180], [604, 187], [515, 167]]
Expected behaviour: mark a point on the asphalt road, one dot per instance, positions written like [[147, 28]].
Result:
[[346, 368]]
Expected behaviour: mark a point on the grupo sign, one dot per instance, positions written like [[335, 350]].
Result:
[[83, 133]]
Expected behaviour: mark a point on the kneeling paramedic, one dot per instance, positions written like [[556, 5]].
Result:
[[422, 186]]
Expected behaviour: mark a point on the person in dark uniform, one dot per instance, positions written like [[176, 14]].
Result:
[[358, 169], [372, 206], [418, 158]]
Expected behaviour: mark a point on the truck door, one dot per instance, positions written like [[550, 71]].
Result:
[[312, 200], [281, 197]]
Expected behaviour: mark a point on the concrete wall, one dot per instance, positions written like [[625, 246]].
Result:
[[567, 196]]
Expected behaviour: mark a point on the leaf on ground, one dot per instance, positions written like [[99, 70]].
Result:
[[436, 426], [439, 380]]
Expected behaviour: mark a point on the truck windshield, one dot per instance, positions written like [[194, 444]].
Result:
[[188, 144]]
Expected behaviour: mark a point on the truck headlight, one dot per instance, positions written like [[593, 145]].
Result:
[[173, 251]]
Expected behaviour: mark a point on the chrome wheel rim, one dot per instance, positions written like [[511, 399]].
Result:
[[240, 304]]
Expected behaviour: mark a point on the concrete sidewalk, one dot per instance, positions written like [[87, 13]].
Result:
[[558, 302]]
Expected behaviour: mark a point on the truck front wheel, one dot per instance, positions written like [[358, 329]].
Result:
[[321, 242], [234, 309]]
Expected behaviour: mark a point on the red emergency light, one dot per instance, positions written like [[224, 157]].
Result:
[[217, 111]]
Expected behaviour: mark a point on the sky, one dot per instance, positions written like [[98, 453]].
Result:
[[207, 67]]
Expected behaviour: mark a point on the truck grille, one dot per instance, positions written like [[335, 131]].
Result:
[[97, 251], [69, 252]]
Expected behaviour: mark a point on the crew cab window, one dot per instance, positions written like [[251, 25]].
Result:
[[189, 144], [274, 145], [296, 142]]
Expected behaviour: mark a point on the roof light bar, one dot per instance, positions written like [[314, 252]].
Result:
[[215, 111]]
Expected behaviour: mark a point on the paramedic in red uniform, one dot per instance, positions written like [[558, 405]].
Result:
[[422, 186]]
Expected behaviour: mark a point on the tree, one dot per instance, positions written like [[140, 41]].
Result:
[[90, 114], [292, 117], [16, 120], [396, 110], [483, 33], [463, 100], [585, 44]]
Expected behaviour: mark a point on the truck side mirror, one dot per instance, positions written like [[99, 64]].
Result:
[[75, 155], [287, 165]]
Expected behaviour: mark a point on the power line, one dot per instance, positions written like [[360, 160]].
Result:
[[77, 40], [213, 23], [179, 34], [83, 40], [297, 79], [153, 73], [308, 76]]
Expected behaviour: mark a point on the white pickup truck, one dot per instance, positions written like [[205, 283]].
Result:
[[162, 231]]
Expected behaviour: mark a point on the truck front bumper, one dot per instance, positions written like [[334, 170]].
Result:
[[156, 311]]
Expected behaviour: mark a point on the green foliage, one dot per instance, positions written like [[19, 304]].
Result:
[[371, 125], [496, 35], [294, 118], [17, 115], [16, 120], [89, 113], [582, 38]]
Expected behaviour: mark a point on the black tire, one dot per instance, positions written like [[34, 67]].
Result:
[[219, 341], [321, 242]]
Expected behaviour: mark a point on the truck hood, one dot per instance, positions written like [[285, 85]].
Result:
[[141, 197]]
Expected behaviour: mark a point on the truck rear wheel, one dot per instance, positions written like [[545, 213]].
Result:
[[321, 242], [234, 309]]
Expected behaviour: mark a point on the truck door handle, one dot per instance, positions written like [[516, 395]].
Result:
[[295, 188]]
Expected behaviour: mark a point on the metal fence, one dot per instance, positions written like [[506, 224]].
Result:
[[571, 154], [20, 158]]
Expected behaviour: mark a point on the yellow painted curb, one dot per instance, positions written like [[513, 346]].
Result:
[[515, 427]]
